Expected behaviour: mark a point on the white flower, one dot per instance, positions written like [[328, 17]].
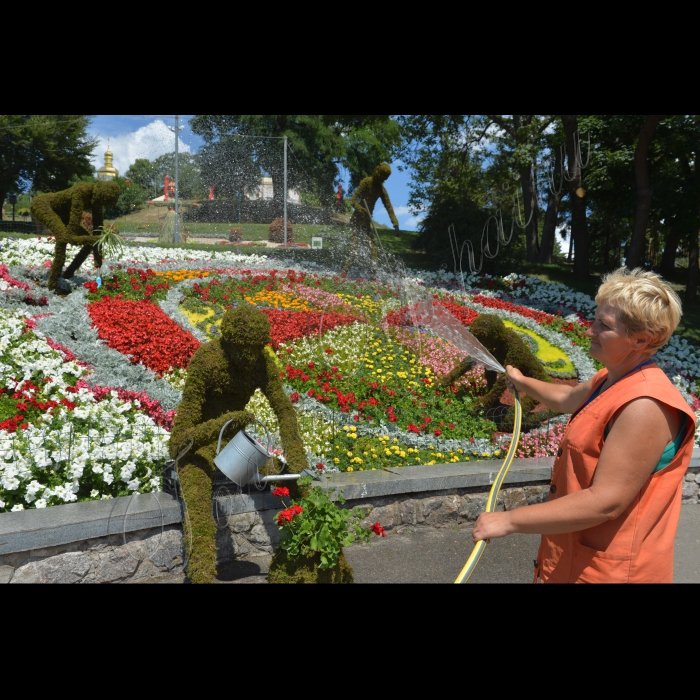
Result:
[[41, 503], [19, 506], [94, 493]]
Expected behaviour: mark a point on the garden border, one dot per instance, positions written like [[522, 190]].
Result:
[[86, 542]]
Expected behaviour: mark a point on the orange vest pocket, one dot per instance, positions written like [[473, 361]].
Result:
[[594, 566]]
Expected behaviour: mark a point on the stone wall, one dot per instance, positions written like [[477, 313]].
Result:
[[140, 538], [143, 555], [691, 486]]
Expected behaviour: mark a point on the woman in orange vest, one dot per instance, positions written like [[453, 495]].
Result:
[[615, 494]]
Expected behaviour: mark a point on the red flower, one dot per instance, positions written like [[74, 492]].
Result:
[[437, 432], [281, 491], [329, 351], [294, 397], [320, 466], [378, 530]]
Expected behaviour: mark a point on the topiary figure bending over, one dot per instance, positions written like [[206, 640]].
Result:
[[62, 213], [221, 378], [509, 349]]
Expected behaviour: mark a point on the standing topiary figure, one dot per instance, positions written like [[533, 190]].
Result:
[[62, 213], [509, 349], [369, 190], [222, 377]]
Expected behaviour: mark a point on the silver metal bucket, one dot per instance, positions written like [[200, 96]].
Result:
[[241, 459]]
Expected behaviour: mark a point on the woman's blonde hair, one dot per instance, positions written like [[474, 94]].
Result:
[[644, 302]]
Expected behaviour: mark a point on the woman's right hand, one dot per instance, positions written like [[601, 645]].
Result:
[[514, 379]]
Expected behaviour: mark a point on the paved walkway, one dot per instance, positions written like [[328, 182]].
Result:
[[437, 556]]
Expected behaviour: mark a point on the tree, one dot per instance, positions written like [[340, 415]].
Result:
[[241, 148], [635, 254], [43, 152]]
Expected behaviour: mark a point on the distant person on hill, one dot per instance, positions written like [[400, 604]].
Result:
[[615, 495]]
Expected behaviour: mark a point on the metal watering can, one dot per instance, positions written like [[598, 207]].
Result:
[[243, 456]]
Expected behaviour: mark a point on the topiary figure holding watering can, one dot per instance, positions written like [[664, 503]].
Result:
[[222, 377]]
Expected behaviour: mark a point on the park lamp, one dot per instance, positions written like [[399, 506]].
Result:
[[176, 129]]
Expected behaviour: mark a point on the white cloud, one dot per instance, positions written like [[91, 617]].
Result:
[[149, 142]]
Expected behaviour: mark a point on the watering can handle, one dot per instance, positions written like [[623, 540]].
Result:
[[221, 434]]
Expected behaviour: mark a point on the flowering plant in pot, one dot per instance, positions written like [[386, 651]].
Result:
[[313, 532]]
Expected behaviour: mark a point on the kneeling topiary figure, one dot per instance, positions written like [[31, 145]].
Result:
[[509, 349], [222, 377]]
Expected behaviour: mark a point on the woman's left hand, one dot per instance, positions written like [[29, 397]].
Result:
[[491, 525]]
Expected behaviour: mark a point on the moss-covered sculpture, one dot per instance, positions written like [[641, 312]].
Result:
[[369, 190], [222, 377], [286, 569], [509, 349], [62, 213]]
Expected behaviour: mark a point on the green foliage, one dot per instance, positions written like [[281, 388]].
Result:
[[110, 243], [318, 145], [131, 198], [316, 524], [43, 150], [305, 569]]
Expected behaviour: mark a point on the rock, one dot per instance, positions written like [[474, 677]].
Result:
[[168, 551], [119, 563], [697, 478], [446, 513], [386, 516], [689, 476], [69, 567], [6, 573], [472, 506], [258, 536], [690, 488], [408, 512], [535, 494], [514, 498], [242, 522]]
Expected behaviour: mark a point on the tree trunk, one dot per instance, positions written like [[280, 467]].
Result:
[[668, 257], [691, 286], [549, 227], [579, 226], [531, 211], [635, 254]]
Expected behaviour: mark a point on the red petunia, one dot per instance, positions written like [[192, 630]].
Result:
[[281, 491]]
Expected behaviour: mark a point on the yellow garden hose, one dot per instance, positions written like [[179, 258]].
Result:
[[480, 546]]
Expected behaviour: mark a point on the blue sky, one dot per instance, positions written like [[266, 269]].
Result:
[[147, 136]]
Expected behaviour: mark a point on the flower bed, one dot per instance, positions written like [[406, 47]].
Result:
[[360, 376]]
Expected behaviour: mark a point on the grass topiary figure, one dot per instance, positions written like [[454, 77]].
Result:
[[509, 349], [222, 377], [369, 190], [62, 213]]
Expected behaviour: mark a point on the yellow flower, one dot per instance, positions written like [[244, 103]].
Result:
[[336, 460], [353, 429], [350, 469], [349, 454]]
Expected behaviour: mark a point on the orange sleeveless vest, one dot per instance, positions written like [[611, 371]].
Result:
[[636, 547]]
